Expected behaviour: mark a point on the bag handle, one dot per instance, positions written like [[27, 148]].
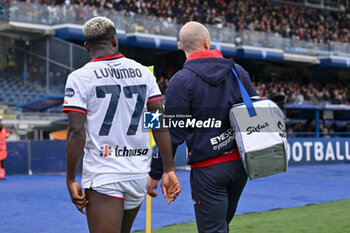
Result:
[[246, 99]]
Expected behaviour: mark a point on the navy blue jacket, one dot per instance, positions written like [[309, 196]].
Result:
[[204, 88]]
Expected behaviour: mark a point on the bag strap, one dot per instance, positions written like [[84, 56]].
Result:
[[246, 99]]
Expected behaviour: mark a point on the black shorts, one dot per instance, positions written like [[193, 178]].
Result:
[[215, 192]]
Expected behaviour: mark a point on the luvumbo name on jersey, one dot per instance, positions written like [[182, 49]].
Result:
[[115, 151], [118, 73]]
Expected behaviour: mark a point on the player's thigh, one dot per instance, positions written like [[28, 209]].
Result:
[[135, 191], [210, 199], [104, 213], [128, 219]]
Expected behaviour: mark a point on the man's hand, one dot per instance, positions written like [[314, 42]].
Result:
[[74, 149], [151, 186], [170, 186], [77, 196]]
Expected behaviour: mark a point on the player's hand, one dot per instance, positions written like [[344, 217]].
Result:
[[77, 196], [151, 186], [170, 186]]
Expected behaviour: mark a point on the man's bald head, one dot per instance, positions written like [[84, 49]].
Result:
[[194, 37]]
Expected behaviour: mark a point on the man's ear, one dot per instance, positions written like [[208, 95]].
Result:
[[180, 45], [86, 47], [114, 41], [206, 44], [115, 44]]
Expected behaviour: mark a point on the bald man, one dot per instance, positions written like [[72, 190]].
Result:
[[206, 89]]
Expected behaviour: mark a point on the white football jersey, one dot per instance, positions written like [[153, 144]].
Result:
[[113, 92]]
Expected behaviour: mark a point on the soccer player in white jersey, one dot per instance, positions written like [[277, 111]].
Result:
[[105, 100]]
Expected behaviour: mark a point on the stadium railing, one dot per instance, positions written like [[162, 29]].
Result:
[[129, 22], [321, 4], [43, 66], [48, 61]]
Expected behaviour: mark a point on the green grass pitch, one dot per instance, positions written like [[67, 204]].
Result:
[[330, 217]]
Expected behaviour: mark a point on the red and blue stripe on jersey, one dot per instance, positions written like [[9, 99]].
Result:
[[67, 109]]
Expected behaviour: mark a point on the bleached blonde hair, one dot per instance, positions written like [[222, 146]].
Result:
[[98, 28]]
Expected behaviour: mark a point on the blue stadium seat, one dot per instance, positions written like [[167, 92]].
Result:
[[13, 91]]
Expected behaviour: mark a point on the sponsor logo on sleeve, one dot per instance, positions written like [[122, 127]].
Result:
[[69, 92]]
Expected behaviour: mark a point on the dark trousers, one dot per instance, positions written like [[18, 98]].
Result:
[[215, 192]]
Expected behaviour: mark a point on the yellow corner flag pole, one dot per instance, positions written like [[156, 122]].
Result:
[[148, 213], [148, 197]]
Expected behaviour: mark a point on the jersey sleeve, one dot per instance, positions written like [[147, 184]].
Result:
[[154, 92], [75, 96]]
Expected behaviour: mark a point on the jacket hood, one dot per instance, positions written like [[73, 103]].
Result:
[[210, 66]]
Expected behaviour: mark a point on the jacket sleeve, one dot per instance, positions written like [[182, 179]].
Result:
[[156, 172], [177, 103]]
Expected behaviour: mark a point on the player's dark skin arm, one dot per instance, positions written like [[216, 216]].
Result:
[[74, 150], [170, 184]]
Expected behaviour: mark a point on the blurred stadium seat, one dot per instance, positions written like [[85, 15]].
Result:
[[14, 91]]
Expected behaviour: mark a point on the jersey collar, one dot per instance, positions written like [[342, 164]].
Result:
[[109, 57], [205, 54]]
